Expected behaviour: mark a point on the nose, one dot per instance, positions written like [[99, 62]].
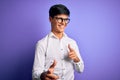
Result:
[[63, 22]]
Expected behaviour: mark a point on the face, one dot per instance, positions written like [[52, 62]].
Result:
[[59, 23]]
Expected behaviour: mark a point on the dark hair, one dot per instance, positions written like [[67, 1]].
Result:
[[58, 9]]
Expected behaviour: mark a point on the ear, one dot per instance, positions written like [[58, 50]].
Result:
[[50, 19]]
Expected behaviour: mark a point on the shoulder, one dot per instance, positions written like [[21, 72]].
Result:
[[70, 40], [42, 42]]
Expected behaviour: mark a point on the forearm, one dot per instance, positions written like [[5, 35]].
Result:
[[39, 61]]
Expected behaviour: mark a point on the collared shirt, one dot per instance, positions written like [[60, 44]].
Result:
[[52, 48]]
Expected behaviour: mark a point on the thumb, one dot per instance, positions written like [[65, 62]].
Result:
[[70, 48], [51, 69]]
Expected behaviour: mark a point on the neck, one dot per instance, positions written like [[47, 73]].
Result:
[[59, 35]]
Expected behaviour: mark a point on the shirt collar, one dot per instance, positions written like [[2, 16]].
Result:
[[51, 34]]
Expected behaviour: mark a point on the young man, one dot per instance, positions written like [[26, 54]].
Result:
[[57, 55]]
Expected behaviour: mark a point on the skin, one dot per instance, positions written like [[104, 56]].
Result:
[[50, 75], [58, 30]]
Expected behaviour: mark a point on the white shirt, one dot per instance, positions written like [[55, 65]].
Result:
[[50, 48]]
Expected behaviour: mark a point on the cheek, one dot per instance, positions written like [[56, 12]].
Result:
[[54, 24], [65, 25]]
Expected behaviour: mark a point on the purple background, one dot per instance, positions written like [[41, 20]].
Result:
[[95, 25]]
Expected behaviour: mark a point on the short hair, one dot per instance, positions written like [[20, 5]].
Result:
[[58, 9]]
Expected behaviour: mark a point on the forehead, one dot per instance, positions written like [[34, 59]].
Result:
[[62, 15]]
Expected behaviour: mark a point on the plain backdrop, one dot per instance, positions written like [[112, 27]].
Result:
[[94, 24]]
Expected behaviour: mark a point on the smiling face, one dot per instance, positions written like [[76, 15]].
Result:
[[59, 23]]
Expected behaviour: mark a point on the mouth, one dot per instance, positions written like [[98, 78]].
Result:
[[61, 26]]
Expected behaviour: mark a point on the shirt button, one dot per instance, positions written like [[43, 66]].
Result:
[[61, 49], [62, 78]]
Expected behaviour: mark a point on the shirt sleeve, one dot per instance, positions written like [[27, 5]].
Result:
[[79, 66], [38, 66]]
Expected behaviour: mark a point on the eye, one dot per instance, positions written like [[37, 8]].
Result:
[[59, 20], [67, 20]]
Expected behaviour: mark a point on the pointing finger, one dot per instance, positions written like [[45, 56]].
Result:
[[70, 48], [51, 69], [54, 64]]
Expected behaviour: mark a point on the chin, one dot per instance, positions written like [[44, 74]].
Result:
[[60, 31]]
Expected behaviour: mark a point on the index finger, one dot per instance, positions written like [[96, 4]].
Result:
[[54, 64], [51, 69], [70, 48]]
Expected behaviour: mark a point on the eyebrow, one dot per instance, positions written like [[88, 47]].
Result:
[[61, 17]]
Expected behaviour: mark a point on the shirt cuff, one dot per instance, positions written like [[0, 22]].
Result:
[[77, 63]]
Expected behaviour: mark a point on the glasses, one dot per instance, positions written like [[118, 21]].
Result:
[[60, 20]]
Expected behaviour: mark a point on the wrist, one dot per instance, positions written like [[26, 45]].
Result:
[[76, 60], [43, 75]]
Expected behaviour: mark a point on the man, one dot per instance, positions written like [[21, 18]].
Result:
[[57, 55]]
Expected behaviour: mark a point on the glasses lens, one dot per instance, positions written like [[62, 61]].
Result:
[[62, 19], [59, 20], [67, 20]]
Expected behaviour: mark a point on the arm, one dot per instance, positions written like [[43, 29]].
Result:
[[75, 56], [79, 66], [38, 67], [39, 60]]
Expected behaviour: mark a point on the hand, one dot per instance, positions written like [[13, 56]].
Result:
[[72, 54], [49, 74]]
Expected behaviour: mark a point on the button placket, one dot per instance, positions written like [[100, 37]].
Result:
[[62, 59]]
